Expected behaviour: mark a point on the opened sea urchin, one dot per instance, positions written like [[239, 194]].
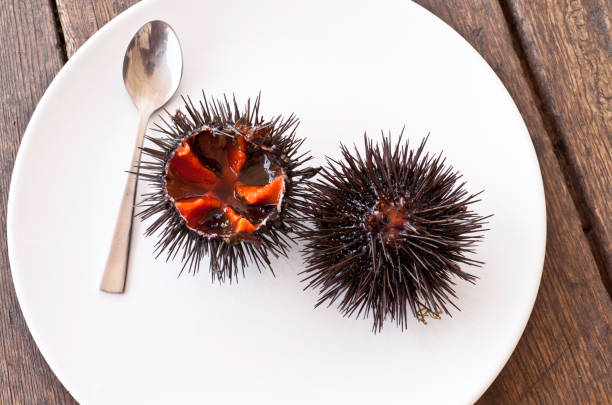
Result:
[[226, 184], [390, 229]]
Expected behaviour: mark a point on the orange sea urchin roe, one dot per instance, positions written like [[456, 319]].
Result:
[[186, 165], [194, 209], [268, 194], [239, 223], [224, 186], [237, 155]]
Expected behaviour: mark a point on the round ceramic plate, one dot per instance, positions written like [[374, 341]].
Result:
[[343, 68]]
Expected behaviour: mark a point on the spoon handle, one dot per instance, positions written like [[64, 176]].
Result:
[[113, 280]]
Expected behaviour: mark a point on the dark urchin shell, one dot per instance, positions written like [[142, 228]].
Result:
[[389, 230], [227, 255]]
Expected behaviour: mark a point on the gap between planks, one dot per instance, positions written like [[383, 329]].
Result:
[[61, 38]]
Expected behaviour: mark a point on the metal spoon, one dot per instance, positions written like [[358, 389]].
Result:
[[152, 70]]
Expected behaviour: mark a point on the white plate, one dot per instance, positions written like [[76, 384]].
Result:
[[343, 68]]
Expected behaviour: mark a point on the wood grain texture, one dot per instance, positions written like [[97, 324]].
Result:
[[568, 47], [565, 353], [30, 58], [80, 19]]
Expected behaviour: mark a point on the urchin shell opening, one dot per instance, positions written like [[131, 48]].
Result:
[[389, 218], [230, 166], [390, 228], [228, 256]]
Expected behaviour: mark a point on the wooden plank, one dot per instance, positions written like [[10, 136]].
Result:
[[80, 19], [29, 60], [568, 46], [565, 353]]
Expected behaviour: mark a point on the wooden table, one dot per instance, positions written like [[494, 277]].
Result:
[[555, 58]]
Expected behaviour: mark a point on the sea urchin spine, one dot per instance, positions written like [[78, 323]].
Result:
[[390, 229]]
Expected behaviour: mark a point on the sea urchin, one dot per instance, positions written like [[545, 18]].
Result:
[[226, 184], [389, 231]]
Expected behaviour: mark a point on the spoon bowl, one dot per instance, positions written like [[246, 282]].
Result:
[[153, 65]]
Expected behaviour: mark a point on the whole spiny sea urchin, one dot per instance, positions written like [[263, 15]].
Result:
[[389, 231], [226, 183]]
